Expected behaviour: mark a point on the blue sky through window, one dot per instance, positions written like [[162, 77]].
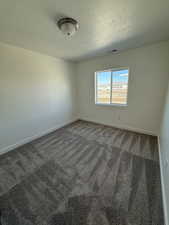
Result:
[[104, 77]]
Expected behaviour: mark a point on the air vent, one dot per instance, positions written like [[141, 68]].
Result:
[[114, 50]]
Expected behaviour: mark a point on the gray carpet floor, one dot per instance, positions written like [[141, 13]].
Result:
[[82, 174]]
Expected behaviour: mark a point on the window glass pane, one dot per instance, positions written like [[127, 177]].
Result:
[[119, 87], [103, 87]]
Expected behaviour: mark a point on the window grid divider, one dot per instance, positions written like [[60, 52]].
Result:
[[111, 87]]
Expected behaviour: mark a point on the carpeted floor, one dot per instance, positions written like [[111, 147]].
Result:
[[82, 174]]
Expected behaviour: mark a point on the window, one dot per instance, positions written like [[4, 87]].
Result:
[[111, 87]]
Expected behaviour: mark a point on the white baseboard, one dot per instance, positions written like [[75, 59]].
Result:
[[32, 138], [125, 127], [162, 185]]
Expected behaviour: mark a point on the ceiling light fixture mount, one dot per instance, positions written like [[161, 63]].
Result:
[[68, 26]]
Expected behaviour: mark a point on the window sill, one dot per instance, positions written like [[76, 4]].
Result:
[[112, 104]]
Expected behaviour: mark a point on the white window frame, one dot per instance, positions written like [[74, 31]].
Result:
[[111, 104]]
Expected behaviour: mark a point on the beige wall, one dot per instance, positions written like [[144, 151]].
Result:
[[37, 94], [164, 153], [147, 85]]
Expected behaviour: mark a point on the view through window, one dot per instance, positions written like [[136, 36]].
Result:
[[112, 86]]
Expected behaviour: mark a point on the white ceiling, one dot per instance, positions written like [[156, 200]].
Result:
[[104, 25]]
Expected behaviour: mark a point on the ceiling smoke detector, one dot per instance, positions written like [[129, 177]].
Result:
[[68, 26]]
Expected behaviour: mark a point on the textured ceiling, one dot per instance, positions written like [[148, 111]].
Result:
[[104, 25]]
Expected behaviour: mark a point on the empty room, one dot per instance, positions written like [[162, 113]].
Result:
[[84, 112]]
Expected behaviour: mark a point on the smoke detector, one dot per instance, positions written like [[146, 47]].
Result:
[[68, 26]]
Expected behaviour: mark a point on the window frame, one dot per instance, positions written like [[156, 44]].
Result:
[[95, 86]]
